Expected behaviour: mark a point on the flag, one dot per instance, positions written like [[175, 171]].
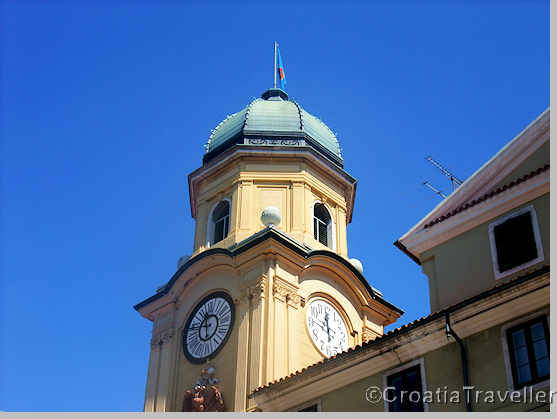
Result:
[[280, 71]]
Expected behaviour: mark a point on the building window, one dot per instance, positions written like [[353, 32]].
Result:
[[322, 225], [528, 345], [219, 222], [515, 242], [405, 390], [309, 406]]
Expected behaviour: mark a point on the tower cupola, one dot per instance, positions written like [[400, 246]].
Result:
[[274, 119]]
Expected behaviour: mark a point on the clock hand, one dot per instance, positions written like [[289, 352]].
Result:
[[204, 325], [328, 329], [321, 325]]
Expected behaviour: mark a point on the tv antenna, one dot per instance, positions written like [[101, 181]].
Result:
[[438, 192], [456, 182]]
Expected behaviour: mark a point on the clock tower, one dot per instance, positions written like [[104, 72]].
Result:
[[270, 288]]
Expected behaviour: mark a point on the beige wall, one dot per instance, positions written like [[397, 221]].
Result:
[[463, 267], [292, 185], [537, 159], [271, 286]]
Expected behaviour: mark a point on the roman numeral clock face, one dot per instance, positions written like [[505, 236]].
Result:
[[208, 327], [326, 328]]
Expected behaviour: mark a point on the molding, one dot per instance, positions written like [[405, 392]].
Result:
[[229, 257], [537, 237], [229, 158]]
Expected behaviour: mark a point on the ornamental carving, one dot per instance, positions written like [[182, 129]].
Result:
[[162, 337], [368, 334], [275, 141], [256, 289], [286, 293], [294, 300], [205, 395]]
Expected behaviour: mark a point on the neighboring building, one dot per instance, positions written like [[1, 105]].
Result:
[[272, 303]]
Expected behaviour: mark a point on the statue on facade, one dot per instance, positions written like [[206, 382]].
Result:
[[205, 396]]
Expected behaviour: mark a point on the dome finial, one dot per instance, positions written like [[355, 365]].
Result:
[[274, 94]]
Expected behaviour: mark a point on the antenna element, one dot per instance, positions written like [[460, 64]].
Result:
[[456, 182]]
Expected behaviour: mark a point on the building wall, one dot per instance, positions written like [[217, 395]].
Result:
[[271, 287], [291, 185], [487, 371], [463, 267], [537, 159]]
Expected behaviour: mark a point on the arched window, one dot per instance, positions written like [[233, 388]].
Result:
[[219, 222], [322, 225]]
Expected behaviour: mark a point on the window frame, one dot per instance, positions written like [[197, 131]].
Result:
[[537, 238], [417, 363], [331, 227], [510, 366], [210, 229], [316, 402]]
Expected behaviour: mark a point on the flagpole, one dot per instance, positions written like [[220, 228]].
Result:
[[275, 69]]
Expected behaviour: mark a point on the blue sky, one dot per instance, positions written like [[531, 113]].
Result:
[[105, 110]]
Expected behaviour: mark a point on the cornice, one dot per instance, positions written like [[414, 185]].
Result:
[[231, 156], [165, 295]]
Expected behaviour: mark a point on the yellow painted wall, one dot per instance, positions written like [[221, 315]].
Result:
[[292, 185]]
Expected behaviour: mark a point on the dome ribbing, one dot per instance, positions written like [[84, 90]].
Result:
[[274, 120]]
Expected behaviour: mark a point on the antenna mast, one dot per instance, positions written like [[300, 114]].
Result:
[[456, 182]]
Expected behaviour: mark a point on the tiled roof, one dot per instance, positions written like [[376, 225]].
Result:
[[503, 188], [412, 325]]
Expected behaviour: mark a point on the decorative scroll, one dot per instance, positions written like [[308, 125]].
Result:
[[275, 141], [286, 293], [368, 334], [256, 289]]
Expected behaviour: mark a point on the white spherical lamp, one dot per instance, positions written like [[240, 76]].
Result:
[[270, 216], [357, 264]]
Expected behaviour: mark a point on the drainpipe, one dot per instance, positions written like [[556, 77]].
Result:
[[463, 358]]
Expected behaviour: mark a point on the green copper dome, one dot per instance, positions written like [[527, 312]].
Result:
[[274, 120]]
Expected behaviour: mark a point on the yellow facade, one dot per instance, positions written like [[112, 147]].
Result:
[[291, 183], [271, 273]]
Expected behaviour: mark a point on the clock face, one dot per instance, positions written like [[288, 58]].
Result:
[[208, 327], [326, 328]]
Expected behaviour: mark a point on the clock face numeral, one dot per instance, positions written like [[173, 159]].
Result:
[[326, 328], [208, 327]]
